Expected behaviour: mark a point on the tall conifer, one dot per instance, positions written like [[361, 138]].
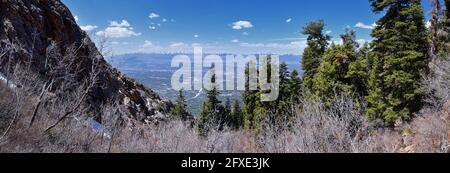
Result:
[[399, 57]]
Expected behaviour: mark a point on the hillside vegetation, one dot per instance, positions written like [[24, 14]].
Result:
[[389, 95]]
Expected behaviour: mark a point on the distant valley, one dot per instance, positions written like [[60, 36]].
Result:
[[155, 71]]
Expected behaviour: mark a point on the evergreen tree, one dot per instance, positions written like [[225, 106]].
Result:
[[280, 110], [444, 32], [331, 78], [225, 115], [237, 116], [284, 98], [228, 107], [179, 112], [212, 113], [447, 14], [250, 98], [312, 56], [295, 88], [264, 110], [358, 71], [399, 57]]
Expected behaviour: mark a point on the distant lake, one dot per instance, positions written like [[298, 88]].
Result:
[[155, 71]]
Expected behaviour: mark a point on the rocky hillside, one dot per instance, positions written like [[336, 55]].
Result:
[[42, 38]]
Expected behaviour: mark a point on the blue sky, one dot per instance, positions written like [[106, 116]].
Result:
[[219, 26]]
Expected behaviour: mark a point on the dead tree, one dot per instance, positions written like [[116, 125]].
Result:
[[434, 29]]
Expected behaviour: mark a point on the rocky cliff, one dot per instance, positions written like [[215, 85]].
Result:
[[41, 35]]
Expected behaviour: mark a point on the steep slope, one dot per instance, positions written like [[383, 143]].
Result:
[[42, 37]]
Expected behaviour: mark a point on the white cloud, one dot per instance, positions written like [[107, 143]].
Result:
[[245, 33], [328, 32], [235, 41], [164, 20], [152, 27], [289, 39], [118, 43], [178, 44], [88, 28], [153, 15], [294, 47], [76, 18], [176, 47], [149, 47], [252, 45], [242, 24], [289, 20], [196, 36], [147, 43], [364, 26], [122, 23], [117, 32], [117, 29]]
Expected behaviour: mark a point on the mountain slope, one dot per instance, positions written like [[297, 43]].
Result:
[[42, 38]]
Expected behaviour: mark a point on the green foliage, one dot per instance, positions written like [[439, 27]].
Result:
[[236, 116], [394, 86], [358, 71], [217, 116], [179, 112], [250, 98], [213, 114], [447, 17], [444, 31], [312, 55], [256, 112], [332, 77], [290, 92], [294, 88]]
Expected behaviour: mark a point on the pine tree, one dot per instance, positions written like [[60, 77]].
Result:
[[447, 14], [444, 34], [179, 112], [284, 97], [228, 107], [312, 56], [250, 98], [211, 115], [236, 116], [399, 57], [358, 71], [280, 109], [295, 88], [331, 78]]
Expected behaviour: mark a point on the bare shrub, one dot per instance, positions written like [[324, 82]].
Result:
[[38, 116], [431, 134], [341, 128], [437, 83]]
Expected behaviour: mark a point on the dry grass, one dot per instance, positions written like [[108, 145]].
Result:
[[341, 129]]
